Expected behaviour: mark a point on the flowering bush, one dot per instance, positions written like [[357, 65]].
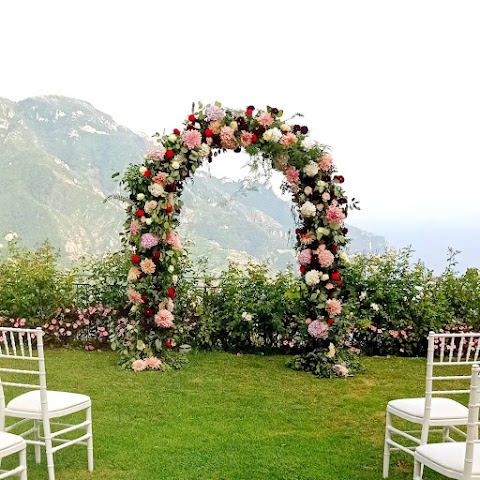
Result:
[[156, 187]]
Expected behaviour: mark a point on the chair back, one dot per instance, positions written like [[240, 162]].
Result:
[[473, 423], [23, 347], [445, 352]]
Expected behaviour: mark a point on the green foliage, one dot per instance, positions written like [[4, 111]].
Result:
[[32, 285]]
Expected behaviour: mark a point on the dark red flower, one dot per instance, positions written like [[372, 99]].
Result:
[[335, 276], [168, 208], [339, 178], [171, 293], [144, 298], [334, 248], [147, 173], [170, 154], [340, 283], [330, 321], [191, 118], [176, 131], [249, 111], [208, 132], [136, 259], [296, 128], [302, 269], [170, 187], [304, 130], [274, 111], [148, 312], [297, 231], [140, 212], [157, 254], [168, 344]]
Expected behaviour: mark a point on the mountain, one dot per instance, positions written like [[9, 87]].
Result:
[[57, 156]]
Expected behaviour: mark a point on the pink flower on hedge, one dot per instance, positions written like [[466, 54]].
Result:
[[160, 178], [214, 113], [192, 139], [341, 370], [293, 175], [173, 240], [305, 257], [318, 329], [227, 136], [134, 227], [325, 257], [153, 362], [325, 163], [164, 318], [134, 296], [288, 139], [334, 307], [149, 240], [138, 365], [265, 119], [156, 153], [335, 215], [246, 138], [147, 266]]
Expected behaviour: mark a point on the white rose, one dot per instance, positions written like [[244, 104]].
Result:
[[321, 185], [156, 189], [308, 210], [172, 137], [171, 268], [324, 277], [308, 190], [148, 221], [174, 279], [140, 196], [308, 143], [272, 135], [197, 125], [311, 169], [142, 170], [234, 125], [175, 165], [312, 278], [331, 350], [286, 127], [344, 257]]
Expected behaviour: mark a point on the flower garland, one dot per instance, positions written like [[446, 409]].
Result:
[[156, 188]]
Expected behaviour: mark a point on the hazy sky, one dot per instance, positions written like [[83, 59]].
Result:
[[392, 86]]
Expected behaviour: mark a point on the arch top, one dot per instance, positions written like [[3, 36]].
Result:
[[317, 192]]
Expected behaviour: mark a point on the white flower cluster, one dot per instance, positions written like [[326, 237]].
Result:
[[308, 210], [311, 169], [312, 278]]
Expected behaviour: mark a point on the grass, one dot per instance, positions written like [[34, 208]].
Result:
[[233, 418]]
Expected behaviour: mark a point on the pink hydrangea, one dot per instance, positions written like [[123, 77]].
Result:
[[325, 257], [334, 307], [153, 362], [227, 136], [164, 318], [325, 162], [138, 365], [318, 329], [335, 215], [293, 175], [192, 139], [156, 153], [173, 240], [265, 119], [305, 257], [134, 227], [215, 113], [149, 240]]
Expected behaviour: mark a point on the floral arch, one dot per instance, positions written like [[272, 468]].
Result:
[[317, 193]]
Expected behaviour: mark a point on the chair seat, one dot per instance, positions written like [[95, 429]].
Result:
[[442, 409], [449, 456], [9, 440], [28, 404]]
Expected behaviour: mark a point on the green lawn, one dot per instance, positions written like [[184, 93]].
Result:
[[231, 417]]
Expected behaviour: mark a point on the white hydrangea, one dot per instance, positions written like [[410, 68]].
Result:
[[312, 277], [272, 135], [311, 169], [308, 143], [203, 150], [246, 316], [308, 210], [156, 190]]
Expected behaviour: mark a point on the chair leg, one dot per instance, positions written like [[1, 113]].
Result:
[[36, 437], [49, 453], [446, 434], [90, 439], [23, 463], [386, 448], [417, 470]]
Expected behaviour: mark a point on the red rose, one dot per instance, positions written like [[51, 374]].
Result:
[[191, 118], [302, 269], [156, 254], [176, 131], [147, 173], [140, 212], [249, 111], [335, 276], [208, 132], [254, 138], [330, 321], [171, 293], [169, 208], [148, 312], [136, 259], [334, 248], [168, 344], [170, 154]]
